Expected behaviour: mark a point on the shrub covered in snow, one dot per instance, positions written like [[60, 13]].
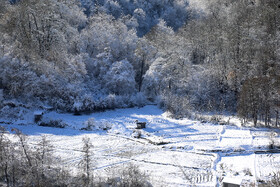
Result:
[[136, 134], [57, 123], [118, 128], [130, 176], [91, 124], [13, 112], [275, 180]]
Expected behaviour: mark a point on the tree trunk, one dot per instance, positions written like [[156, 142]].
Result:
[[7, 175], [141, 75], [276, 118]]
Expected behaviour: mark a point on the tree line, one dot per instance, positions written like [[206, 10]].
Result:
[[95, 55], [227, 60]]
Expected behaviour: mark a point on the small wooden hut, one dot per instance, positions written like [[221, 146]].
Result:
[[232, 182], [38, 115], [140, 125]]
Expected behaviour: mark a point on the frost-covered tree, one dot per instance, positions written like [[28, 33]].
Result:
[[40, 51], [103, 32], [86, 162], [147, 13], [145, 54], [120, 78]]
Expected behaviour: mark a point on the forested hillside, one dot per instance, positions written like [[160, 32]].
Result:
[[93, 55]]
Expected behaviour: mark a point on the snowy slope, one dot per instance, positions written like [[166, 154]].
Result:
[[174, 152]]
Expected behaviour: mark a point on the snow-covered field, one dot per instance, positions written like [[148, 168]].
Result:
[[173, 152]]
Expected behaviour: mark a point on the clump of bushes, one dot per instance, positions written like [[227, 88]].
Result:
[[137, 134], [129, 176], [91, 124], [22, 166], [274, 181], [11, 111]]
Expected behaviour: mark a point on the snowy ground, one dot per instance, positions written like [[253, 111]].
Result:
[[173, 152]]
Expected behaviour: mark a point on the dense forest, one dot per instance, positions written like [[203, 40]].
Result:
[[92, 55]]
